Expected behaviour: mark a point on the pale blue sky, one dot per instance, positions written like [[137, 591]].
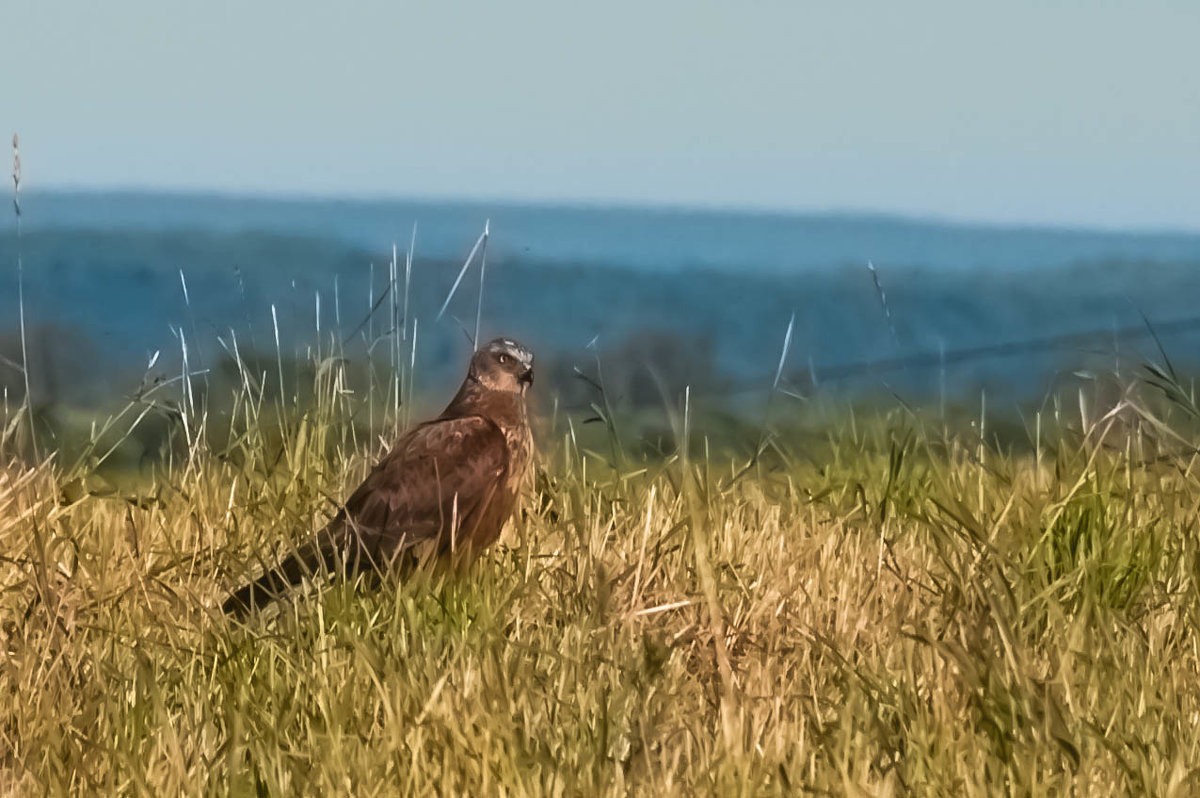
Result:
[[1044, 111]]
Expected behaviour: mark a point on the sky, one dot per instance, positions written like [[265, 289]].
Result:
[[1053, 112]]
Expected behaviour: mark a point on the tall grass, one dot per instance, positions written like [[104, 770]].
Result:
[[877, 605], [25, 411]]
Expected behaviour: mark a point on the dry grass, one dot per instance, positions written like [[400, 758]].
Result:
[[896, 610]]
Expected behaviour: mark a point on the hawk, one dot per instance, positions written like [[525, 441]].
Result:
[[451, 483]]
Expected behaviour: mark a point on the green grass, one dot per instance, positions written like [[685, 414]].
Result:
[[874, 605]]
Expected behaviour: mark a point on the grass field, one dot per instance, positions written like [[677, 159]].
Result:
[[881, 606]]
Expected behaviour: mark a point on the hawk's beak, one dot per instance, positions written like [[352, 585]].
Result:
[[526, 376]]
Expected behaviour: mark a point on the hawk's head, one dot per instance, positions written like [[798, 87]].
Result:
[[503, 365]]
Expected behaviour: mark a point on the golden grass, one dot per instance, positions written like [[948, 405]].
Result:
[[902, 611]]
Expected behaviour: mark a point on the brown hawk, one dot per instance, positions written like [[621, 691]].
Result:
[[451, 483]]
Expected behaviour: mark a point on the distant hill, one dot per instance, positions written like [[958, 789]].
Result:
[[714, 290]]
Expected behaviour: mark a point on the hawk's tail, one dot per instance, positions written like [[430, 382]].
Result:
[[317, 555]]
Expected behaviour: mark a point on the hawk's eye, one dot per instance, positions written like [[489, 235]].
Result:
[[504, 359]]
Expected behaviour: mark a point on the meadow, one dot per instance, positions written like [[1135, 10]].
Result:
[[827, 600]]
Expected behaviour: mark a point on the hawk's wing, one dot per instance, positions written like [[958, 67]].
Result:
[[442, 472]]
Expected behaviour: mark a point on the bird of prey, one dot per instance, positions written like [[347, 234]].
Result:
[[450, 483]]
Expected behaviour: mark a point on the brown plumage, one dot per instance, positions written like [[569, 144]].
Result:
[[451, 482]]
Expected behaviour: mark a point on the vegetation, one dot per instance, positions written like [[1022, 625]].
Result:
[[875, 604]]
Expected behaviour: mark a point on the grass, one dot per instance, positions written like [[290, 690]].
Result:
[[877, 605]]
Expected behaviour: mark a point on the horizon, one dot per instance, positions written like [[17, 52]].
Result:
[[585, 204]]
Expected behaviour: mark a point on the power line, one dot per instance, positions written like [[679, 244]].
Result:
[[928, 360]]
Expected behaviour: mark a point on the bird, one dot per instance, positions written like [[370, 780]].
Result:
[[450, 483]]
